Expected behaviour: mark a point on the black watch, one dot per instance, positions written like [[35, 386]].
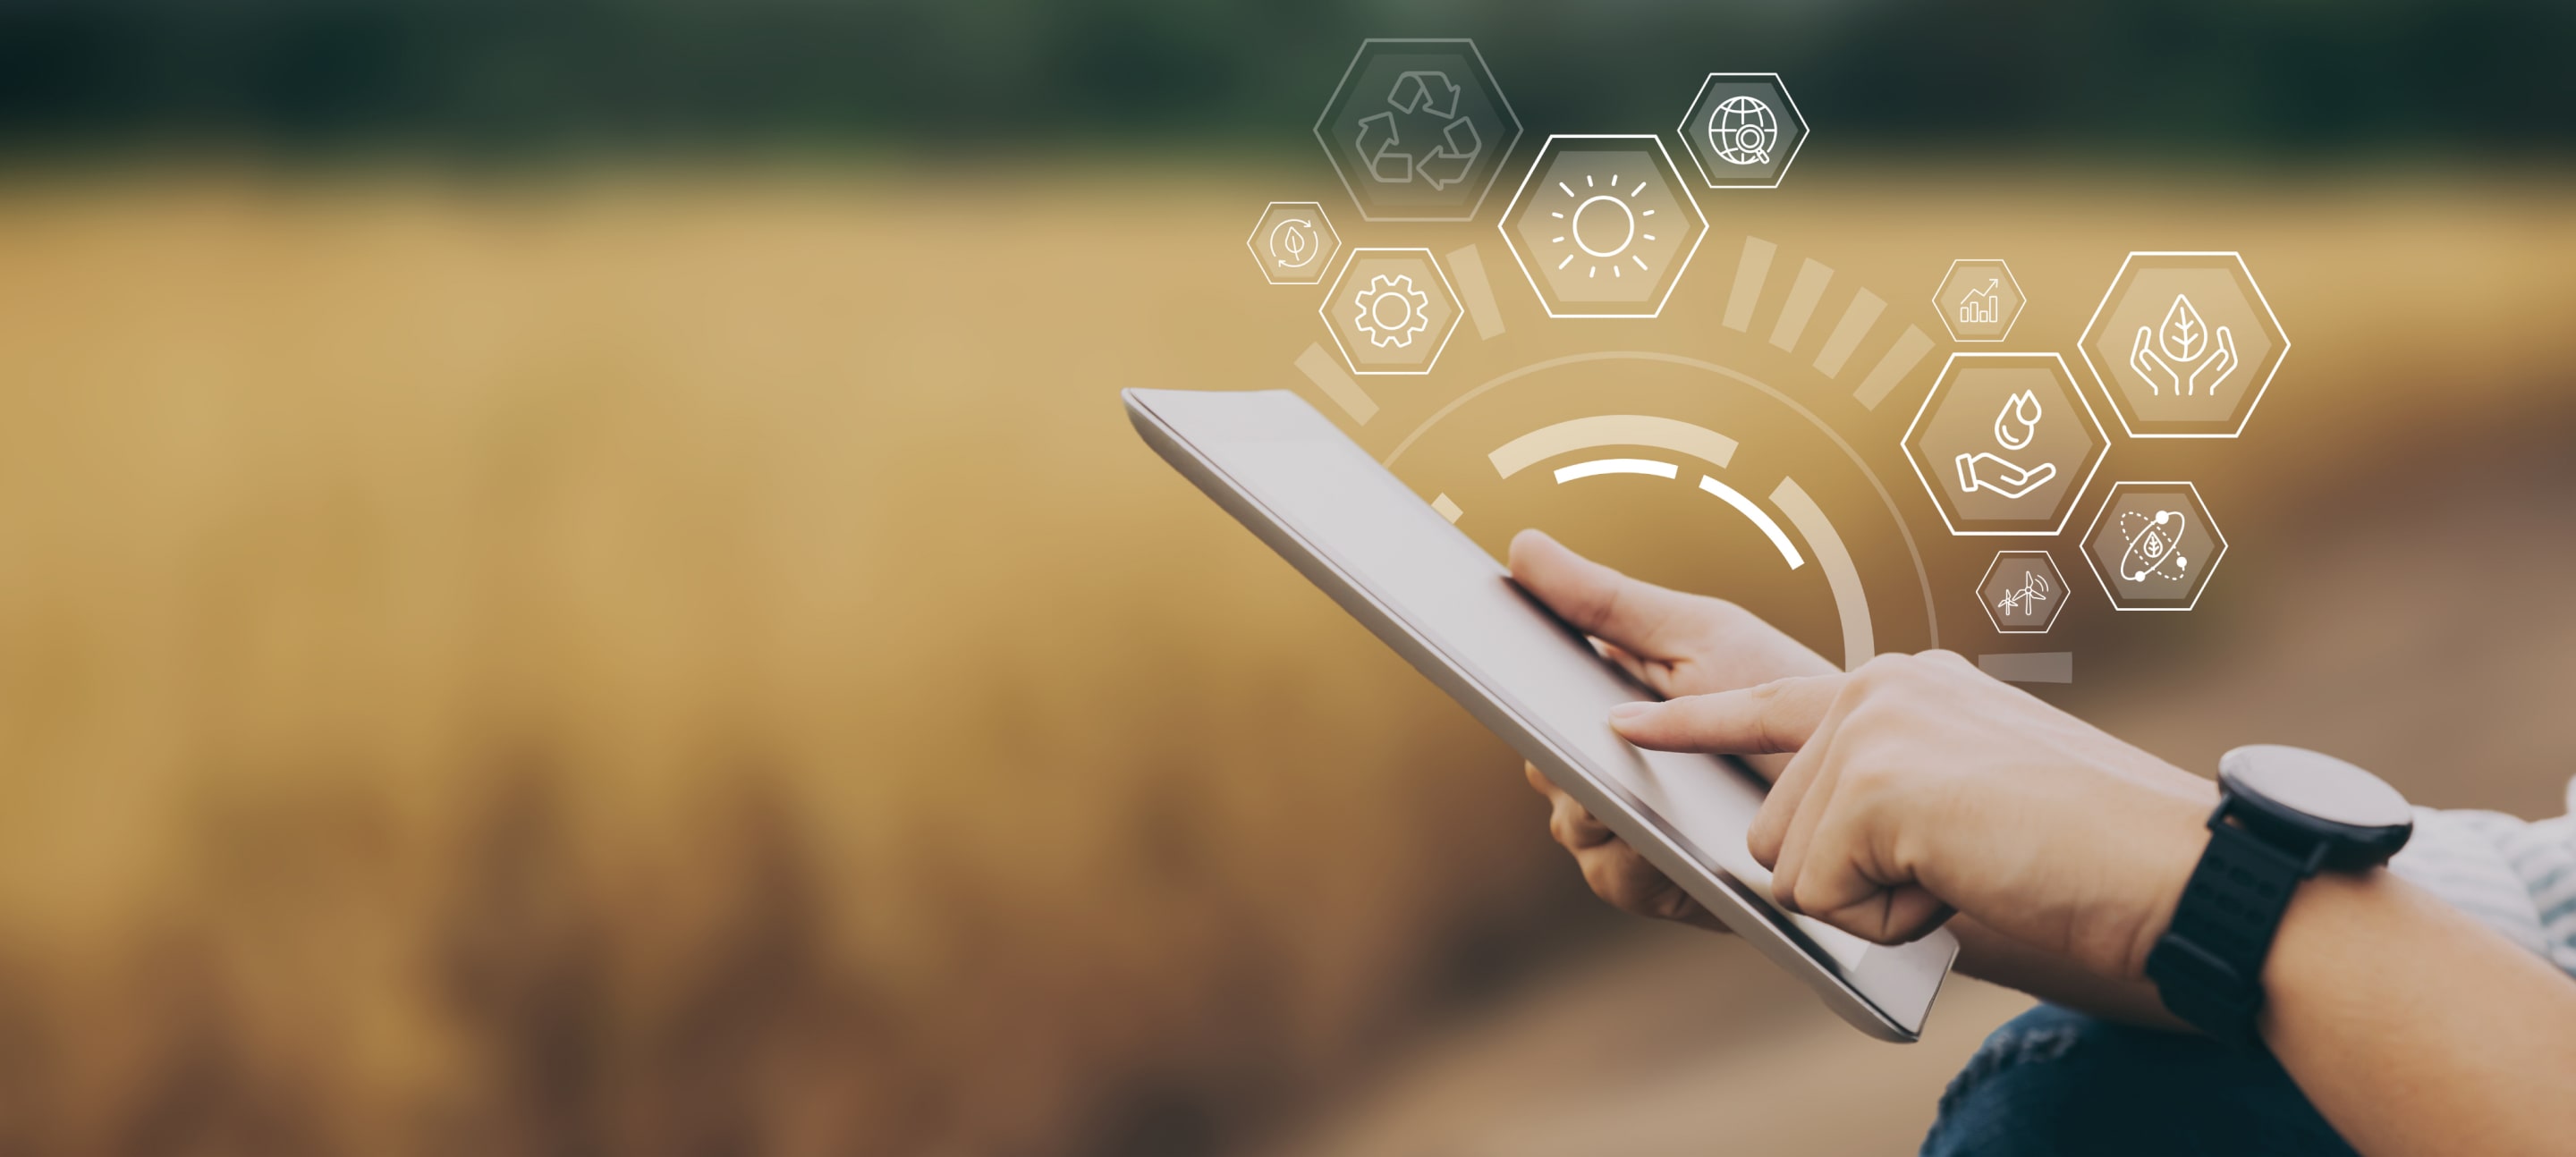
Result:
[[2284, 813]]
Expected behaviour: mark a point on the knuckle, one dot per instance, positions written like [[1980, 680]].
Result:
[[1611, 882], [1560, 827], [1881, 672], [1869, 779], [1771, 725], [1890, 663], [1603, 887], [1903, 677], [1671, 903], [1612, 605], [1861, 712], [1808, 896], [1765, 700], [1718, 616]]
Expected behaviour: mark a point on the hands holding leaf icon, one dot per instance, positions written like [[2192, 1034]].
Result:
[[2183, 341]]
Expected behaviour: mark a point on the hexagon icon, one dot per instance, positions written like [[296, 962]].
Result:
[[1743, 130], [1294, 243], [2005, 443], [1391, 311], [1603, 226], [1978, 299], [2153, 545], [1418, 130], [2184, 344], [2022, 592]]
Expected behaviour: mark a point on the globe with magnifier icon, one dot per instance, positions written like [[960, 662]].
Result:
[[1743, 131]]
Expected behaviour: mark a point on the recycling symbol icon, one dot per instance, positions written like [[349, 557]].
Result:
[[1424, 99], [1417, 130]]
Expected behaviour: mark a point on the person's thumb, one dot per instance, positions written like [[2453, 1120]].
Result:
[[1774, 717]]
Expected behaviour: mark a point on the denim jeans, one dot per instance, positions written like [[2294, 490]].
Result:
[[2057, 1082]]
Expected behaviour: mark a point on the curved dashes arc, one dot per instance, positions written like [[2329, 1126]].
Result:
[[1761, 518], [1796, 502], [1612, 430], [1600, 466], [1842, 577]]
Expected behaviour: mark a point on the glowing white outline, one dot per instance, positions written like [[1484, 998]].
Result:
[[1842, 577], [1680, 186], [2074, 497], [1457, 312], [1832, 555], [1690, 114], [1502, 156], [1598, 430], [1323, 261], [2112, 495], [2020, 299], [1760, 517], [2110, 386], [1600, 466], [2053, 568]]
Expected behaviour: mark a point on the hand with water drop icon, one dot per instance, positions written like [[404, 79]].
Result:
[[2015, 425], [2183, 341]]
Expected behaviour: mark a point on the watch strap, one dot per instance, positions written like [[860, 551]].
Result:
[[2208, 966]]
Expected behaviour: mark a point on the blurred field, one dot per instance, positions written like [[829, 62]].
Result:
[[648, 662]]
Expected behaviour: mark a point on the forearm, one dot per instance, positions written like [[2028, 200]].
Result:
[[2414, 1029], [1991, 957]]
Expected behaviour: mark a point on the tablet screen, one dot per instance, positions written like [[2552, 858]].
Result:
[[1457, 598], [1439, 600]]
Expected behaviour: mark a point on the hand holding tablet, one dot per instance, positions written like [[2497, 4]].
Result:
[[1436, 598]]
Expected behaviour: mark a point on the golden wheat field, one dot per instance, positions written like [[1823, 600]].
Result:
[[663, 660]]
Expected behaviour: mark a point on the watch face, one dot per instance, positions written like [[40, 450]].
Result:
[[2316, 784]]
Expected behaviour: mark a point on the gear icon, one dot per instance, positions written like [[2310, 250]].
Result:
[[1391, 311]]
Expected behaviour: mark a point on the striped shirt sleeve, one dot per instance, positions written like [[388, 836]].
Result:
[[2517, 877]]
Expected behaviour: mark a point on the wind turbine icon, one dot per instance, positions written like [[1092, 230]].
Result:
[[2034, 590]]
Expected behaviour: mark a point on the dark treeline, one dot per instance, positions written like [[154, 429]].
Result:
[[472, 74]]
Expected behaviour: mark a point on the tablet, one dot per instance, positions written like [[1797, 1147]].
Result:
[[1287, 473]]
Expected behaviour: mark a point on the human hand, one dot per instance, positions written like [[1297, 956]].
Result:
[[1921, 785], [2221, 362], [2143, 358], [1614, 871], [2009, 479], [1675, 643], [2213, 367]]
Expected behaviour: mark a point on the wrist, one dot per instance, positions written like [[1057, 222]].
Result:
[[2285, 815], [2329, 914], [2171, 849]]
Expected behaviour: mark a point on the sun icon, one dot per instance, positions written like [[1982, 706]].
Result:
[[1604, 226]]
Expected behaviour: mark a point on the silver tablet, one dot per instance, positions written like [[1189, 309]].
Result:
[[1436, 597]]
